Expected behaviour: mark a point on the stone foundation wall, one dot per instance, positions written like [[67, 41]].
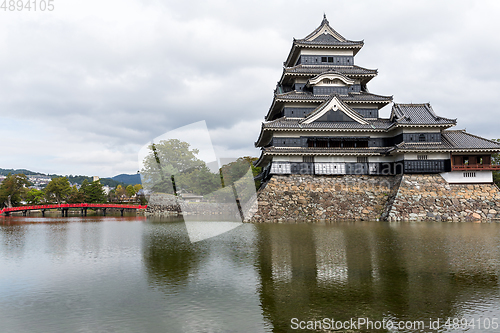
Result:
[[160, 204], [398, 198], [352, 198], [431, 198], [310, 198]]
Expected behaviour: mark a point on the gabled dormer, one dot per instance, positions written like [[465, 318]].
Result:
[[332, 82], [323, 46], [334, 110]]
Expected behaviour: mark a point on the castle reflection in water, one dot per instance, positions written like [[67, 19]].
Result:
[[349, 270]]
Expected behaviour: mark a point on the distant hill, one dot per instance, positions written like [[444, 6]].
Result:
[[128, 179], [5, 172], [122, 179], [104, 181]]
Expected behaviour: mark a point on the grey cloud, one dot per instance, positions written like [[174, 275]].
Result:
[[118, 78]]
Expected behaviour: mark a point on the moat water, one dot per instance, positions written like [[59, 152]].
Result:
[[132, 274]]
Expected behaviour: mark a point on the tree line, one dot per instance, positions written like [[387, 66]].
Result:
[[14, 191], [173, 167]]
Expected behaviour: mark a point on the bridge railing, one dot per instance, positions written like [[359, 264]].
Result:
[[78, 205]]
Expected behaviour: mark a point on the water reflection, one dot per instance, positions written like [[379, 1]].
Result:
[[107, 274], [210, 285], [57, 239], [13, 239], [375, 270], [168, 254]]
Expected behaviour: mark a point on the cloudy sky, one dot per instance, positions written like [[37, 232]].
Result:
[[83, 87]]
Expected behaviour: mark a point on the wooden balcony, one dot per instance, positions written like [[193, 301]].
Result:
[[475, 167]]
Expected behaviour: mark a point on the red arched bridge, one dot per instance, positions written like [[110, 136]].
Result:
[[65, 207]]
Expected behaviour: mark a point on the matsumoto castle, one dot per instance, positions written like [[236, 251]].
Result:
[[324, 121]]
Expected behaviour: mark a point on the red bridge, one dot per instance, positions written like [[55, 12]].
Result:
[[65, 207]]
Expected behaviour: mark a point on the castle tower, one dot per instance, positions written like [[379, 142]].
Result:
[[324, 121]]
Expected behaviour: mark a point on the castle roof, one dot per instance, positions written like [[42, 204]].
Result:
[[296, 124], [462, 139], [323, 36], [452, 141], [326, 35], [324, 151], [352, 97], [311, 70], [418, 114]]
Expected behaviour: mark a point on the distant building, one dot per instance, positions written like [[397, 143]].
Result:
[[191, 197], [39, 181], [324, 121]]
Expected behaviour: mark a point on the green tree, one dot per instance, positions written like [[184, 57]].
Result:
[[83, 187], [175, 158], [119, 191], [34, 196], [198, 180], [94, 193], [75, 196], [58, 188], [12, 189], [235, 170], [130, 191], [137, 187]]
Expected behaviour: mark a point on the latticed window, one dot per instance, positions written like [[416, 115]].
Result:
[[307, 159], [362, 159], [421, 138], [322, 143]]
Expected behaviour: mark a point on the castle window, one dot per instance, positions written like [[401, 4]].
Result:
[[322, 143], [330, 59], [421, 138], [307, 159], [324, 59], [362, 159], [421, 157]]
